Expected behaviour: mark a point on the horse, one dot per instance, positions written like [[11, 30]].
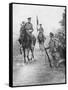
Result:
[[41, 38], [27, 43]]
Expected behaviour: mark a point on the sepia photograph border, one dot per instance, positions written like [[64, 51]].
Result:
[[11, 43]]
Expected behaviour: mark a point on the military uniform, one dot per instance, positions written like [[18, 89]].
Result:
[[52, 47], [52, 51], [41, 36], [41, 30], [29, 28], [22, 31]]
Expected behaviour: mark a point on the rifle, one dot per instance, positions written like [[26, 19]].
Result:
[[48, 57]]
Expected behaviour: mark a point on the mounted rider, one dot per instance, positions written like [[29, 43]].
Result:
[[29, 27], [22, 29], [41, 30], [21, 32], [41, 36]]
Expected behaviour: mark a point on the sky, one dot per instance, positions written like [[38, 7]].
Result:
[[48, 16]]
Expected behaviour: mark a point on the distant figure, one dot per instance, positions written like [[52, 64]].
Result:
[[21, 38], [41, 30], [41, 37], [22, 30], [29, 27]]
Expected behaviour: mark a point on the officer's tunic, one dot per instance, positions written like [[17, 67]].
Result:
[[28, 26], [29, 29]]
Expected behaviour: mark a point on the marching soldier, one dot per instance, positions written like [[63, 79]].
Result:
[[29, 27]]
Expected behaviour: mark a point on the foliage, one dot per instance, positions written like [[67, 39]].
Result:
[[61, 36]]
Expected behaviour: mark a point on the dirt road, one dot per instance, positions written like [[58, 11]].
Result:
[[36, 71]]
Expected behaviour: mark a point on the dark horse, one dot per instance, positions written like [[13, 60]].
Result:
[[41, 38], [28, 44]]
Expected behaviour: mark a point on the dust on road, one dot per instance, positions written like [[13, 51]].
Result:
[[35, 72]]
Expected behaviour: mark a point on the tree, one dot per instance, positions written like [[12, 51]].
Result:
[[63, 22], [61, 35]]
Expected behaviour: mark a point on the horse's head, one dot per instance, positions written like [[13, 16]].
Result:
[[33, 40], [41, 37]]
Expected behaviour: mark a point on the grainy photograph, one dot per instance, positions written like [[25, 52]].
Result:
[[39, 44]]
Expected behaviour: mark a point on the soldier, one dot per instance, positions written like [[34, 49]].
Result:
[[22, 29], [41, 37], [52, 48], [21, 38], [29, 27], [52, 43], [41, 29]]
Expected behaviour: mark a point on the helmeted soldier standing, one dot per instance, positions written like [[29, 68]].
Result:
[[29, 27]]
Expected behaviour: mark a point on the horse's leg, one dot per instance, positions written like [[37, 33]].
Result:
[[24, 55], [20, 50], [40, 46], [32, 52], [32, 47], [28, 54], [43, 47]]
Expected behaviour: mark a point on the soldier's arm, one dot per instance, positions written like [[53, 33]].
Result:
[[48, 46]]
